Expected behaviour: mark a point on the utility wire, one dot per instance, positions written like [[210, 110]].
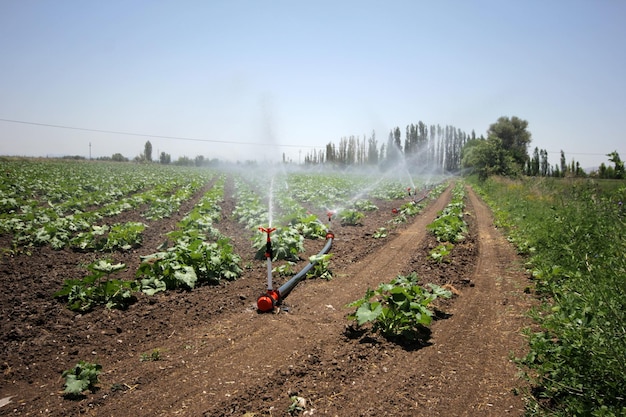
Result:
[[114, 132], [578, 153]]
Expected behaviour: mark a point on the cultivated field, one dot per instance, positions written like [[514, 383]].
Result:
[[153, 273]]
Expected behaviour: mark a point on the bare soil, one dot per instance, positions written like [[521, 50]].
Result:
[[217, 356]]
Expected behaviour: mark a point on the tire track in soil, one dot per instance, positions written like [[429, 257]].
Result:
[[467, 370]]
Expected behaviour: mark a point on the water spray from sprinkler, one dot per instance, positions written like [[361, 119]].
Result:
[[270, 210]]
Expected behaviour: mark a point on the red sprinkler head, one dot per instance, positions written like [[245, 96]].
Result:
[[409, 190], [267, 230], [268, 244], [268, 301], [394, 210], [330, 215]]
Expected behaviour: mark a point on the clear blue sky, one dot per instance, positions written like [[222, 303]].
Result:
[[305, 73]]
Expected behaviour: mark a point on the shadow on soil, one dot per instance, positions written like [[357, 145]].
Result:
[[410, 342]]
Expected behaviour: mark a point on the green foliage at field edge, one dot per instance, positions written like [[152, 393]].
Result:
[[574, 237]]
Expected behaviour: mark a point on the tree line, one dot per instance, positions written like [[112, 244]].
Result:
[[505, 152], [423, 148], [434, 149], [164, 158]]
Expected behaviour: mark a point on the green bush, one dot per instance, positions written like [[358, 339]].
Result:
[[189, 262]]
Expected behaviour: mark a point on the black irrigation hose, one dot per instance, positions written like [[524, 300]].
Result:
[[267, 302], [286, 288], [422, 198]]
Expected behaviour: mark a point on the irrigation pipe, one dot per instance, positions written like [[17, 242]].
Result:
[[268, 301], [272, 298], [422, 198]]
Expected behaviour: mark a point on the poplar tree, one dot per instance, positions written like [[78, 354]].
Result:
[[147, 154]]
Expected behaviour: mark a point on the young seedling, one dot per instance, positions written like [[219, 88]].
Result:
[[82, 377], [155, 355], [298, 405], [441, 253], [285, 270], [380, 233], [98, 288]]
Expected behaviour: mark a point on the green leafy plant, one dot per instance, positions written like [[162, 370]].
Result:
[[398, 309], [399, 219], [411, 209], [89, 240], [365, 205], [441, 253], [285, 269], [382, 232], [207, 212], [154, 355], [298, 405], [188, 262], [448, 228], [287, 244], [249, 211], [320, 269], [120, 236], [98, 288], [82, 377], [163, 271], [124, 236], [310, 227], [351, 217], [450, 225], [164, 204]]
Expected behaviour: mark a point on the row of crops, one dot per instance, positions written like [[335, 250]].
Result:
[[401, 309], [84, 208], [73, 206], [67, 204], [449, 227], [573, 234]]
